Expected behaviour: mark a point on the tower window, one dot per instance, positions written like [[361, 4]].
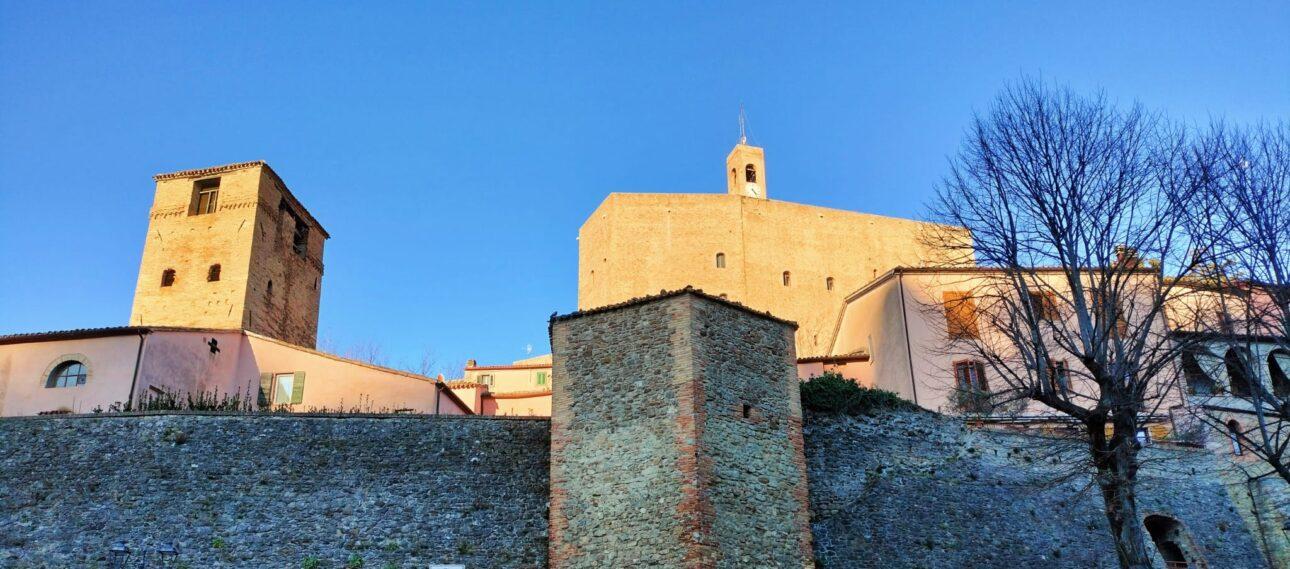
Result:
[[300, 239], [167, 277], [212, 274], [828, 283], [787, 278], [750, 173], [747, 410], [205, 196], [268, 291], [721, 260]]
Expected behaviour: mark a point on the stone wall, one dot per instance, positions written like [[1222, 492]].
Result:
[[238, 491], [900, 490], [676, 438], [914, 490]]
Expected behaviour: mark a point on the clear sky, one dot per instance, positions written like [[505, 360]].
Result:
[[452, 151]]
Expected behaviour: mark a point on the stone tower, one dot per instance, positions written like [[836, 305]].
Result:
[[676, 438], [230, 247], [747, 171]]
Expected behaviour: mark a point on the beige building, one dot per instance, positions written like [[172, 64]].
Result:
[[521, 388], [906, 322], [795, 261], [230, 247]]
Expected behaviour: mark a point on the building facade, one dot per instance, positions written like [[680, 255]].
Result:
[[795, 261]]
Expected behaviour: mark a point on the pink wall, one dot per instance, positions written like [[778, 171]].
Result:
[[535, 405], [335, 383], [24, 369], [182, 361]]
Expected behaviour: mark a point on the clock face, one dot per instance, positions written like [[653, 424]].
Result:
[[752, 190]]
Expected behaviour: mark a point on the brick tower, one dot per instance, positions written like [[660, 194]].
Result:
[[230, 247], [676, 438]]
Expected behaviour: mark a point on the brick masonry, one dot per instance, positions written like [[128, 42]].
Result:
[[251, 236], [676, 438]]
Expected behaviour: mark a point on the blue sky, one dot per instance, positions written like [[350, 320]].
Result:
[[452, 151]]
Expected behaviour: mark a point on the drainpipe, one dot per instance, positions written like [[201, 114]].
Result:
[[438, 387], [904, 322], [138, 358]]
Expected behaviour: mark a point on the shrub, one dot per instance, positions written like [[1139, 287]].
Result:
[[833, 394]]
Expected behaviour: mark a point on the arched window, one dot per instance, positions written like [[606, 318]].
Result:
[[721, 260], [750, 173], [1172, 541], [1279, 371], [787, 278], [1199, 382], [167, 277], [70, 373], [1234, 433], [268, 291], [1237, 360], [212, 274], [828, 283]]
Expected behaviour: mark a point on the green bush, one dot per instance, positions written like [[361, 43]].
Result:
[[833, 394]]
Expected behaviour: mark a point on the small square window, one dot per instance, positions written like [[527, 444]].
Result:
[[205, 196], [282, 386]]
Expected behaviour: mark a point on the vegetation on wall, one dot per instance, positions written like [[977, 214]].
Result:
[[833, 394]]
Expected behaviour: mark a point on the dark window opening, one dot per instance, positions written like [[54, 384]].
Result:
[[268, 291], [1279, 371], [1237, 374], [212, 274], [721, 260], [1059, 376], [168, 277], [747, 410], [788, 277], [1234, 434], [68, 374], [300, 239], [750, 173], [1198, 382], [1172, 542], [205, 196], [828, 283]]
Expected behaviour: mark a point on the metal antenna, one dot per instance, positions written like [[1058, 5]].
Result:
[[743, 121]]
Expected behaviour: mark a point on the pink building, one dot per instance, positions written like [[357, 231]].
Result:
[[81, 371], [210, 320]]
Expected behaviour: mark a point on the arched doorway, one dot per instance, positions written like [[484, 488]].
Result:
[[1172, 542]]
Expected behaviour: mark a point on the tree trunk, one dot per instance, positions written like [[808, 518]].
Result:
[[1117, 466]]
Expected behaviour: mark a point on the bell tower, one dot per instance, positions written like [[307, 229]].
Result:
[[746, 167]]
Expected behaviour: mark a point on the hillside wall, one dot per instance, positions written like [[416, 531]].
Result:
[[914, 490], [238, 491]]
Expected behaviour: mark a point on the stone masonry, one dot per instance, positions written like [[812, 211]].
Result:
[[275, 491], [676, 438]]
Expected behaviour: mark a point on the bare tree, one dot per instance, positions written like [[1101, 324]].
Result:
[[1245, 216], [1071, 205]]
